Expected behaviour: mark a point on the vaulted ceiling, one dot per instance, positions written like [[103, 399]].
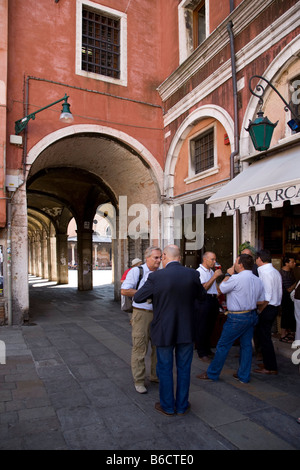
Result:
[[74, 175]]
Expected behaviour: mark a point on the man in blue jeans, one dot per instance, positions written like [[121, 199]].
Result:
[[244, 291], [173, 292]]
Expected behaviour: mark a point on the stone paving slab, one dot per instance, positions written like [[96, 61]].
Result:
[[247, 435]]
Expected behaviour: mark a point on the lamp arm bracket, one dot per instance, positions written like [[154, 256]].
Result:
[[22, 123], [261, 90]]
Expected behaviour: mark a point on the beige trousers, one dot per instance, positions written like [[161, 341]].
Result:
[[140, 322]]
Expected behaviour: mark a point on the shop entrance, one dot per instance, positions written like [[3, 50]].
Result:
[[279, 231]]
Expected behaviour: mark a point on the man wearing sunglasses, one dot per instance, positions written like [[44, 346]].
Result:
[[141, 319]]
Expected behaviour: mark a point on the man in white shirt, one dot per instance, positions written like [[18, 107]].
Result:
[[272, 282], [141, 319], [244, 291], [208, 309]]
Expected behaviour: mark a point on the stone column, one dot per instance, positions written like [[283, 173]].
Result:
[[95, 254], [48, 248], [73, 253], [30, 256], [37, 249], [85, 259], [62, 258], [19, 256], [53, 259], [45, 273]]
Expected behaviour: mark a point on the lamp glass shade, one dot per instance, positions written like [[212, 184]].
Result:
[[261, 131], [66, 116]]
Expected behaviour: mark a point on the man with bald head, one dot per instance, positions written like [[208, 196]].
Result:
[[173, 292]]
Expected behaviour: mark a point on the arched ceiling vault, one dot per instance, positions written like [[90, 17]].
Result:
[[76, 174]]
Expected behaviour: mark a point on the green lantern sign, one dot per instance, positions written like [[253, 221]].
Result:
[[261, 131]]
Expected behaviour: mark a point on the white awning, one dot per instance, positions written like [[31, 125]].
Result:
[[271, 180]]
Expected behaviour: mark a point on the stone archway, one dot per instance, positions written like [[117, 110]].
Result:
[[214, 111], [71, 173]]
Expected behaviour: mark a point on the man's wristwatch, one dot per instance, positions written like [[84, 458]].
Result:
[[227, 275]]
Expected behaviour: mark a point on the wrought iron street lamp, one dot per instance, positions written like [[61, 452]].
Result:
[[65, 117], [261, 129]]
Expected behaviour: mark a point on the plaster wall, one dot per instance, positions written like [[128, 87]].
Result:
[[46, 73], [3, 104]]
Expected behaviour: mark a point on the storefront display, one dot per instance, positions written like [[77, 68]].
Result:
[[266, 197]]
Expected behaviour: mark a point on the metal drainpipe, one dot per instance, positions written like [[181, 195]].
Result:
[[236, 217], [25, 131], [234, 85], [8, 264]]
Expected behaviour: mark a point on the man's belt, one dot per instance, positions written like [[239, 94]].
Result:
[[239, 311], [143, 309]]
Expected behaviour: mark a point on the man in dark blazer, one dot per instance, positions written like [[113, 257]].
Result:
[[173, 292]]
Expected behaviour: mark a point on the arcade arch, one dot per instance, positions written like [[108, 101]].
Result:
[[73, 172]]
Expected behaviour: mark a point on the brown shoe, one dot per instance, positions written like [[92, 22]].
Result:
[[265, 371], [203, 376], [161, 410]]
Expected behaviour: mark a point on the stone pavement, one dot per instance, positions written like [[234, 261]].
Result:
[[67, 385]]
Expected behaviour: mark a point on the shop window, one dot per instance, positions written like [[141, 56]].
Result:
[[101, 43], [279, 230]]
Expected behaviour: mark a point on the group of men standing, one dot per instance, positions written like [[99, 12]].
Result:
[[175, 309]]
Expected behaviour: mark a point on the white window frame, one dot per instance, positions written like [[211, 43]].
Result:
[[210, 171], [123, 42], [186, 34]]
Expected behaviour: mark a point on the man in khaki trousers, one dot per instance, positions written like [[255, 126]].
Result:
[[142, 317]]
